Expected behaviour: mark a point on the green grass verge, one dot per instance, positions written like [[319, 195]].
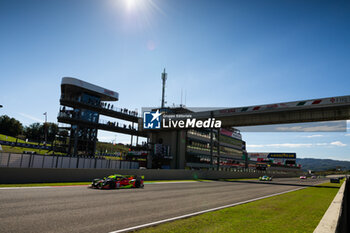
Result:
[[298, 211], [13, 139], [20, 150]]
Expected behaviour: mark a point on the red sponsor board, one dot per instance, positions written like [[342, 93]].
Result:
[[227, 110], [230, 134]]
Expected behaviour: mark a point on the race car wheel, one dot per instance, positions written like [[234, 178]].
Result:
[[112, 184], [138, 183]]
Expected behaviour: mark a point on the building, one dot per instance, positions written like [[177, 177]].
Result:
[[82, 104], [227, 152], [195, 148]]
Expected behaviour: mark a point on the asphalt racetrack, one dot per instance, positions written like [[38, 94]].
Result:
[[80, 209]]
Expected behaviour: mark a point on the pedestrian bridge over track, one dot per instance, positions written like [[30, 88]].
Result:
[[326, 109]]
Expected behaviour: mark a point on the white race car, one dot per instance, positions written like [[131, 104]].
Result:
[[265, 178]]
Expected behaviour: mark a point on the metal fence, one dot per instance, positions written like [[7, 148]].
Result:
[[53, 161]]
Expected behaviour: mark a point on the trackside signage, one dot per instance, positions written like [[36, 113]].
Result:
[[156, 120], [282, 155]]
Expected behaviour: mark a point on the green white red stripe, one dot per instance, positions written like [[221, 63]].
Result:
[[287, 105]]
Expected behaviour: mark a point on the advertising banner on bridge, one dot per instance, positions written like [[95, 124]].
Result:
[[282, 155]]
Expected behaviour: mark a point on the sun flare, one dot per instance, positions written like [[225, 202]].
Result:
[[131, 4]]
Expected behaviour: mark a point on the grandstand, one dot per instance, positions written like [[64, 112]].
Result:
[[82, 104]]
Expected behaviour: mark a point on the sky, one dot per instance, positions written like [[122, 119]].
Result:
[[220, 53]]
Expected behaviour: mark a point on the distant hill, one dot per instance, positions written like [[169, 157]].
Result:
[[322, 164]]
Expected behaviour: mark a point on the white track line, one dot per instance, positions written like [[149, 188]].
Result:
[[43, 187], [199, 212], [172, 182], [34, 187]]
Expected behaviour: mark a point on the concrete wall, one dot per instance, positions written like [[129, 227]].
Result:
[[53, 161], [334, 218], [343, 224], [38, 175]]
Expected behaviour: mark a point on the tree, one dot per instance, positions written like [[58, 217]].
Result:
[[10, 126], [33, 132], [36, 131], [52, 131], [63, 133]]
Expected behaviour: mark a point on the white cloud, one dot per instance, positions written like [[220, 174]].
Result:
[[313, 136], [348, 134], [296, 145], [255, 146], [322, 144], [289, 145], [337, 143], [323, 128]]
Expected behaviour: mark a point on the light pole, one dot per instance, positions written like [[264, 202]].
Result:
[[45, 130], [45, 114]]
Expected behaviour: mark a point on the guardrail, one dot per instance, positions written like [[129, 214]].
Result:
[[57, 161]]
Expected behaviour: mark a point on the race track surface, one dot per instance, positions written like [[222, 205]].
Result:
[[80, 209]]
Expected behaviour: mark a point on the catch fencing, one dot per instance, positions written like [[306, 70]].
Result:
[[57, 161]]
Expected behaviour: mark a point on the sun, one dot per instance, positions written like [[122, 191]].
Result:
[[131, 4]]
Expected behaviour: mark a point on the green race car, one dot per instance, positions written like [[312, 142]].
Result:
[[117, 181], [265, 178]]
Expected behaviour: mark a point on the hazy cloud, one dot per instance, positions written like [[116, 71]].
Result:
[[328, 126], [31, 117], [289, 145], [337, 143], [297, 145], [323, 128], [313, 136], [322, 144]]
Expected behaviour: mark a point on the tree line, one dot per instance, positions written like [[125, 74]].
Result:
[[35, 132]]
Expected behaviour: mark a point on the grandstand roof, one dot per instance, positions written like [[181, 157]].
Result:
[[71, 85]]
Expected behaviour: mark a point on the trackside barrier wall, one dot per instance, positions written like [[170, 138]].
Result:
[[53, 161], [336, 218], [344, 219], [40, 175]]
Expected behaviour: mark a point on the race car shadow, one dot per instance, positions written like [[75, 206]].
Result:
[[111, 189], [275, 183]]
